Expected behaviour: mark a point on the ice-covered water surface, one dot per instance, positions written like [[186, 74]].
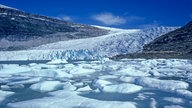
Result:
[[105, 83]]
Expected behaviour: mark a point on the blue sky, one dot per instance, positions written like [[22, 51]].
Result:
[[114, 13]]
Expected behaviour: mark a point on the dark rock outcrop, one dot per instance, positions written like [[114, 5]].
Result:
[[20, 30]]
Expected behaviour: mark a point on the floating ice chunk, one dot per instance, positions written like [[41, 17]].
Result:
[[153, 103], [141, 96], [5, 87], [122, 88], [81, 71], [169, 85], [105, 104], [185, 93], [13, 69], [62, 74], [127, 79], [154, 73], [174, 100], [12, 79], [100, 84], [69, 99], [57, 61], [84, 89], [55, 73], [32, 64], [43, 73], [148, 93], [103, 77], [167, 71], [69, 86], [78, 84], [131, 71], [149, 63], [173, 106], [47, 86], [28, 81], [4, 95]]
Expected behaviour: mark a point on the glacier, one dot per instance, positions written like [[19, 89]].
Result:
[[118, 41]]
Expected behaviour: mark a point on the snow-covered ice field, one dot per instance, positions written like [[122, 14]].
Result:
[[101, 83]]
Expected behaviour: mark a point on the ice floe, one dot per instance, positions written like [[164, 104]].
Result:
[[47, 86], [153, 103], [67, 99], [13, 68], [168, 85], [174, 100], [137, 83], [174, 106], [4, 95], [122, 88]]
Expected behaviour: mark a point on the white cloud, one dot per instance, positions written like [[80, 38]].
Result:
[[109, 19], [65, 18]]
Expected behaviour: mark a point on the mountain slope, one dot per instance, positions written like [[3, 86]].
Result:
[[179, 40], [175, 44], [20, 30]]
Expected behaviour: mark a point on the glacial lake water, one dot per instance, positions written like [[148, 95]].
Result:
[[82, 74]]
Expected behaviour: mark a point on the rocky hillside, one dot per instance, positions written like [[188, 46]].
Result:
[[20, 30], [179, 40], [175, 44]]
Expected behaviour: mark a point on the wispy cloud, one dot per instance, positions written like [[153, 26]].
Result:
[[65, 18], [109, 19]]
